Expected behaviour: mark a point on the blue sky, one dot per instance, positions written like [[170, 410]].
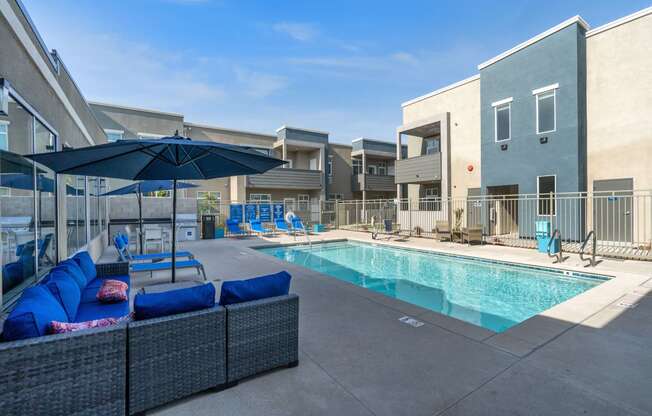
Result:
[[340, 66]]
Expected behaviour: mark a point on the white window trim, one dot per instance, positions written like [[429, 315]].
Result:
[[509, 109], [268, 197], [538, 199], [545, 89], [503, 101], [303, 197], [149, 135], [554, 109]]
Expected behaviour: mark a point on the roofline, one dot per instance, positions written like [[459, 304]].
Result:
[[621, 21], [301, 129], [125, 107], [442, 90], [375, 141], [575, 19], [207, 126]]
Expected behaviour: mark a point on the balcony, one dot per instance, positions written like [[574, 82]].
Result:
[[426, 168], [287, 178], [366, 182]]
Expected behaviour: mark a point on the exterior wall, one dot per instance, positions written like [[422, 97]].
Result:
[[619, 94], [280, 194], [134, 121], [557, 58], [340, 182], [215, 134], [463, 104]]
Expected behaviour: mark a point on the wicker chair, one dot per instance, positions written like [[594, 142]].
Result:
[[470, 234], [80, 373], [176, 356], [443, 231], [262, 335]]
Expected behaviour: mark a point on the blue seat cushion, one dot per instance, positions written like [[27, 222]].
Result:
[[97, 310], [72, 268], [97, 282], [32, 314], [153, 305], [86, 264], [65, 290], [237, 291]]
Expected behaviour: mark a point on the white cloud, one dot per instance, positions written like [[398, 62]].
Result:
[[405, 57], [302, 32]]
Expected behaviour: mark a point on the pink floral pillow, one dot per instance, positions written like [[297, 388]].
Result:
[[57, 327], [112, 291]]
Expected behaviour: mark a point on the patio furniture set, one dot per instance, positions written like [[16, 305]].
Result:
[[117, 360], [461, 235], [257, 227]]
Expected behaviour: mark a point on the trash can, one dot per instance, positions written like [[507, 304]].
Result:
[[208, 227], [542, 232]]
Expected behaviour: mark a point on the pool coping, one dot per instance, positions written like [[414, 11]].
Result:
[[529, 335]]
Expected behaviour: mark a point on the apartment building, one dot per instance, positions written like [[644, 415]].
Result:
[[563, 112], [373, 169]]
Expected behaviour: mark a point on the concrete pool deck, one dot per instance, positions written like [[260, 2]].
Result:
[[589, 355]]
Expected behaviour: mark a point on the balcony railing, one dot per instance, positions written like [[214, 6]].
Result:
[[366, 182], [425, 168], [287, 178]]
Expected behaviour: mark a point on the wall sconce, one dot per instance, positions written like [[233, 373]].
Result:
[[4, 97], [503, 147], [543, 140]]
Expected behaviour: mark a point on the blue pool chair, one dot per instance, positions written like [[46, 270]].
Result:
[[121, 242], [233, 228], [297, 225], [257, 227], [281, 225], [154, 267]]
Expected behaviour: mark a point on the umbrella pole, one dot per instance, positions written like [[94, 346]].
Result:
[[140, 222], [174, 229]]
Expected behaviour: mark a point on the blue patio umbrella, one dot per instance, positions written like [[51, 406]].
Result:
[[144, 187], [169, 158], [26, 181]]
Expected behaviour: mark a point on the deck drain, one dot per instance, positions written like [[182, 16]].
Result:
[[627, 305], [411, 321]]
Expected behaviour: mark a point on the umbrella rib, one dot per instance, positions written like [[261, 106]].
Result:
[[155, 156], [83, 165], [192, 160]]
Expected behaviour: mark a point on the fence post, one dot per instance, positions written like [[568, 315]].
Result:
[[356, 215]]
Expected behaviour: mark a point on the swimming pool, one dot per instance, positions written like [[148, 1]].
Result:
[[490, 294]]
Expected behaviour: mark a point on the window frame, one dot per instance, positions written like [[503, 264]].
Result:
[[539, 199], [329, 166], [268, 197], [219, 195], [499, 106], [5, 124], [112, 131], [537, 97], [356, 166], [432, 139]]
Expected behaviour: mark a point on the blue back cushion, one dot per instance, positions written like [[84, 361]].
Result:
[[32, 315], [86, 264], [237, 291], [72, 268], [65, 291], [154, 305]]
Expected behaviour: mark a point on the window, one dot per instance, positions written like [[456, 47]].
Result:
[[546, 187], [371, 169], [304, 200], [75, 211], [260, 197], [114, 135], [382, 168], [4, 135], [330, 165], [289, 204], [335, 196], [313, 164], [158, 194], [264, 151], [149, 136], [546, 112], [357, 166], [430, 197], [214, 195], [502, 120], [432, 145]]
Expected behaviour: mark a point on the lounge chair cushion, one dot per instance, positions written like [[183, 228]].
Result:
[[65, 291], [154, 305], [86, 264], [72, 268], [237, 291], [32, 315], [96, 310]]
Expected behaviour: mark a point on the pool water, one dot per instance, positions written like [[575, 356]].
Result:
[[489, 294]]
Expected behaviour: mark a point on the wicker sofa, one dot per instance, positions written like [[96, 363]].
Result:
[[133, 367], [80, 373]]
